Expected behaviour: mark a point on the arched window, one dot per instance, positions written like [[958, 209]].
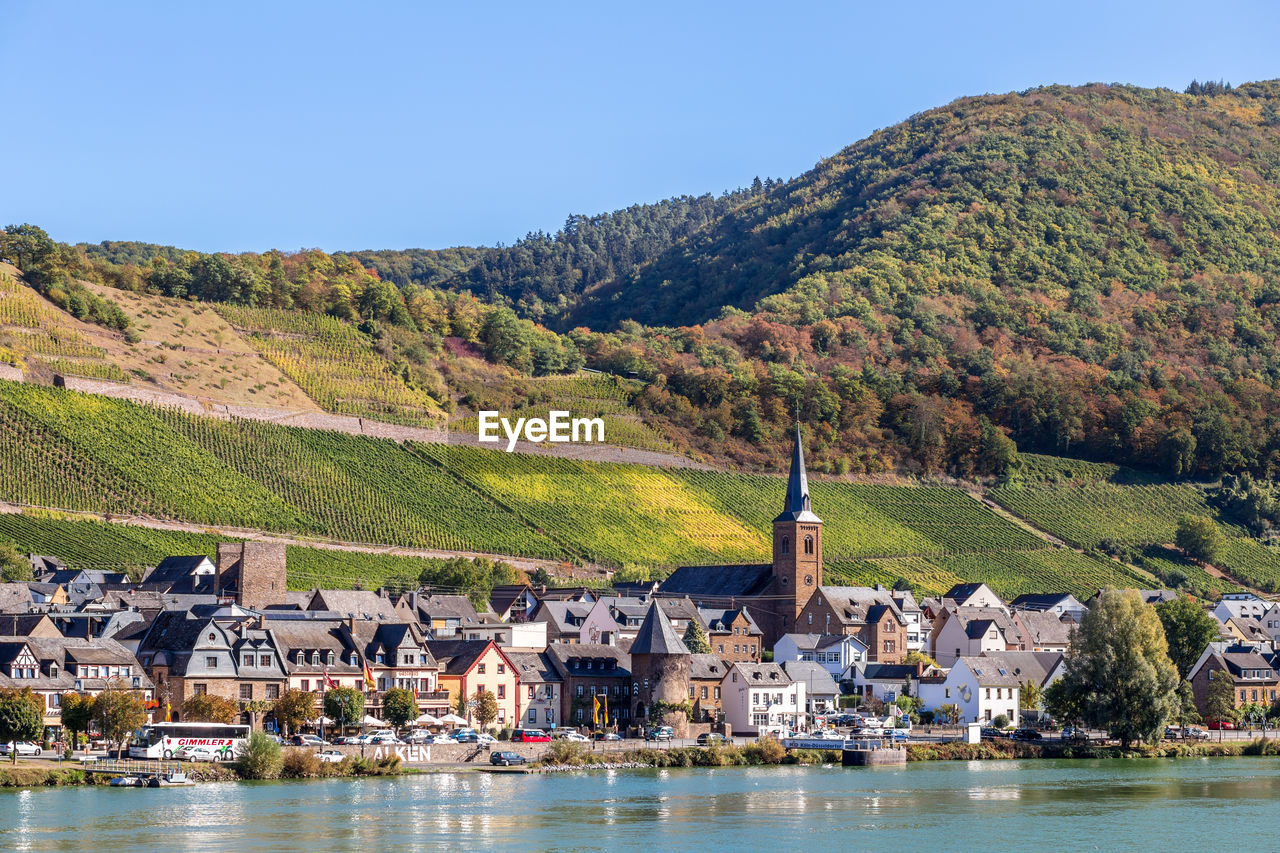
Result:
[[786, 545], [315, 658], [808, 544], [329, 658]]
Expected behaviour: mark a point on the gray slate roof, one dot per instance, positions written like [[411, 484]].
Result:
[[657, 636]]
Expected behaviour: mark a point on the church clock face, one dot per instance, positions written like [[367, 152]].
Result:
[[808, 580]]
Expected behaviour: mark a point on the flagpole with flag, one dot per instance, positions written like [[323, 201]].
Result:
[[595, 711], [606, 710]]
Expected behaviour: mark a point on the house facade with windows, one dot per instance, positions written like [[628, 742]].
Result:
[[468, 667], [867, 613], [761, 697], [540, 690], [970, 631], [589, 670], [836, 653], [983, 689], [1253, 678]]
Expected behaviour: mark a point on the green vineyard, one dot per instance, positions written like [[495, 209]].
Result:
[[72, 451], [335, 364], [1085, 515], [603, 397]]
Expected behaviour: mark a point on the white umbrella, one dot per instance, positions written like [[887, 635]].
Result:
[[453, 719], [371, 721], [428, 720], [323, 721]]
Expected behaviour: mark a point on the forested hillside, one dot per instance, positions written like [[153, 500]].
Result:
[[1090, 272]]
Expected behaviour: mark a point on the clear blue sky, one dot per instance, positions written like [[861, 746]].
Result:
[[246, 126]]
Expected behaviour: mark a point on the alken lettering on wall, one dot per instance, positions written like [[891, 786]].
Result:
[[558, 428]]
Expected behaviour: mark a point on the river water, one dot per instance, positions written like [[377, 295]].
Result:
[[1185, 804]]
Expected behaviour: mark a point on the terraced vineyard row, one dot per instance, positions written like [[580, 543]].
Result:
[[1085, 515], [30, 326], [622, 514], [1252, 562], [333, 363], [871, 521]]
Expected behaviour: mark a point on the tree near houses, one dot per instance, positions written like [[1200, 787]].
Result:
[[21, 716], [1187, 712], [1220, 703], [1062, 703], [77, 713], [1198, 537], [1188, 628], [118, 712], [399, 706], [1118, 670], [294, 709], [14, 568], [208, 708], [344, 705], [1030, 696], [696, 639], [949, 712], [485, 707]]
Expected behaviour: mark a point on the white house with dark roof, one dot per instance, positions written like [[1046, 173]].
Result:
[[982, 687], [761, 697], [836, 653]]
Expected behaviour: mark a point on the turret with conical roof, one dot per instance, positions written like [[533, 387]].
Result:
[[797, 544], [660, 663]]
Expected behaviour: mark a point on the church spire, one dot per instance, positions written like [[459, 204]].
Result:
[[797, 506]]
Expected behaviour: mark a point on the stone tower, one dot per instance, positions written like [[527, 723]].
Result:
[[797, 544], [660, 670], [253, 573]]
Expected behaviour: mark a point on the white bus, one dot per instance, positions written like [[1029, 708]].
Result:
[[163, 740]]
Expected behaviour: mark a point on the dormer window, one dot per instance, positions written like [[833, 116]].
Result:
[[329, 658], [53, 670], [315, 658]]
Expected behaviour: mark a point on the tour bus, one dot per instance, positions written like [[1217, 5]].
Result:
[[163, 740]]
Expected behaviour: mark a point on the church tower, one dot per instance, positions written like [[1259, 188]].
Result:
[[797, 544]]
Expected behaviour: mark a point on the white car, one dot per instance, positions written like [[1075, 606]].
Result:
[[419, 736], [486, 738], [442, 739], [571, 735], [828, 734], [199, 753], [22, 747], [330, 756], [385, 740]]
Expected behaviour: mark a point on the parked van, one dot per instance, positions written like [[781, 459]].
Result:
[[529, 736]]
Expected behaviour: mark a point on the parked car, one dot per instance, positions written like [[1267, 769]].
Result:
[[660, 733], [329, 756], [419, 736], [570, 735], [199, 753], [711, 738], [22, 747], [1026, 734], [605, 736], [307, 740], [1193, 733], [384, 740], [345, 740], [989, 732], [848, 720], [1226, 725], [827, 734], [506, 758], [898, 735], [530, 736], [442, 739]]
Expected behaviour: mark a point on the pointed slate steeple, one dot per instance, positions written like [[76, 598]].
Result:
[[657, 636], [797, 506]]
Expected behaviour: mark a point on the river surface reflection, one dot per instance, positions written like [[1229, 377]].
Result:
[[958, 806]]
